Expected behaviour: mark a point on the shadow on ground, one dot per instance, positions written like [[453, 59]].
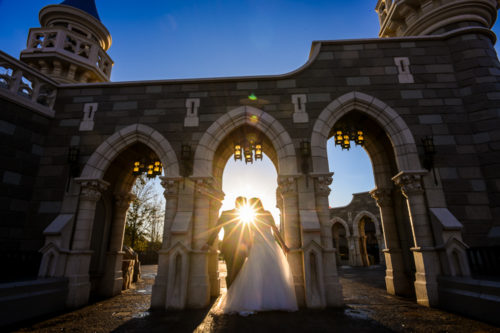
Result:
[[338, 320]]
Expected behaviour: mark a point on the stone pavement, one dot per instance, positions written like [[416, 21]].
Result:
[[368, 309]]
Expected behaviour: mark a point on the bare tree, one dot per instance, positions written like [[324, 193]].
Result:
[[145, 215]]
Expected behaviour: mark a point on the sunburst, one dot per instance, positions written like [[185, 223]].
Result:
[[246, 214]]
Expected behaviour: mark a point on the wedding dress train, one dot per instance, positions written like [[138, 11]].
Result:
[[265, 281]]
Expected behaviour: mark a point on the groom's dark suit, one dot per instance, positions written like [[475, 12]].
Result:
[[233, 248]]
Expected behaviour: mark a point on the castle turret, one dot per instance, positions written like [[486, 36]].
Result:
[[400, 18], [71, 44]]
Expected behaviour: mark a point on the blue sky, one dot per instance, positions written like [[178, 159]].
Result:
[[188, 39]]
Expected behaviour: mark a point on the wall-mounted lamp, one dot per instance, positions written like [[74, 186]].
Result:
[[187, 160], [305, 153], [429, 152], [73, 157]]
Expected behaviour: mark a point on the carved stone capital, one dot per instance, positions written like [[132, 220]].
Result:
[[323, 183], [382, 196], [171, 186], [410, 182], [287, 185], [205, 186], [92, 189]]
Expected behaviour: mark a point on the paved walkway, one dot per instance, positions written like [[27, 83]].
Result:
[[368, 309]]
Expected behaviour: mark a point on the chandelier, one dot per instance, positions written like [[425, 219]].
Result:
[[151, 168], [343, 137], [248, 150]]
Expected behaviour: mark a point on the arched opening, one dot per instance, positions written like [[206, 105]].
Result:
[[238, 178], [391, 148], [341, 243], [109, 264]]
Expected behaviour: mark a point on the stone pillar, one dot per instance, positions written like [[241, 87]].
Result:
[[396, 281], [113, 277], [292, 234], [426, 258], [159, 292], [199, 284], [77, 268], [213, 255], [333, 289]]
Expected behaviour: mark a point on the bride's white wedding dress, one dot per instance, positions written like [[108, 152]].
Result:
[[265, 281]]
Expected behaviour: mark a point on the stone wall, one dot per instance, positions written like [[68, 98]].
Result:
[[448, 91]]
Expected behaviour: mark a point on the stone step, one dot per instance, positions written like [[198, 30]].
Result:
[[30, 299]]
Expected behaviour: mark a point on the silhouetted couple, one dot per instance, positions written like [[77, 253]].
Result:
[[258, 275]]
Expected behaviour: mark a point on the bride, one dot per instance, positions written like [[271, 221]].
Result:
[[265, 281]]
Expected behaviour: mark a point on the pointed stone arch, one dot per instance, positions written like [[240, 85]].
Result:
[[104, 155], [245, 115], [402, 140], [359, 216], [341, 221]]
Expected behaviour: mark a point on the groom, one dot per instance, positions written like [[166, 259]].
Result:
[[234, 248]]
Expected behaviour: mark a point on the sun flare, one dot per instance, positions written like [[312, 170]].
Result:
[[247, 214]]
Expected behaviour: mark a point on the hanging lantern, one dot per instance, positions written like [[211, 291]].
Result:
[[136, 171], [346, 144], [157, 168], [248, 155], [360, 139], [150, 172], [237, 152], [258, 151], [338, 138]]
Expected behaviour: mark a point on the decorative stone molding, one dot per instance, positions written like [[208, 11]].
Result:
[[87, 123], [410, 182], [191, 119], [287, 185], [171, 186], [382, 196], [299, 102], [91, 189], [426, 17], [22, 85], [205, 186], [323, 183], [404, 73]]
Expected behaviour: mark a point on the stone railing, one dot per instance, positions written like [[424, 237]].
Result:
[[70, 44], [26, 86]]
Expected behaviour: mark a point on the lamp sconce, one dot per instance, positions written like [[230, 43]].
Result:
[[305, 153], [429, 152], [187, 160], [73, 157]]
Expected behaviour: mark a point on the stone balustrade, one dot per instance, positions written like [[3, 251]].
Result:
[[71, 44], [23, 85]]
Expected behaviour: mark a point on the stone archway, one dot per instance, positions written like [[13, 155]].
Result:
[[395, 162], [337, 241], [358, 232], [92, 187], [315, 279]]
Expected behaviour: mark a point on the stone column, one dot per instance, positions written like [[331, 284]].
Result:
[[113, 277], [291, 232], [426, 258], [77, 268], [199, 284], [333, 288], [171, 192], [396, 281], [213, 254]]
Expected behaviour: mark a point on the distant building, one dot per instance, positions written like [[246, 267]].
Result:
[[357, 232]]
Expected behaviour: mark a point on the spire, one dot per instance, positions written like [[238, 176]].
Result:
[[87, 6]]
